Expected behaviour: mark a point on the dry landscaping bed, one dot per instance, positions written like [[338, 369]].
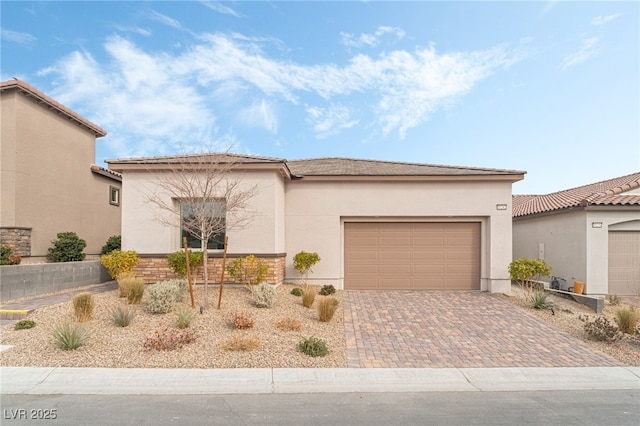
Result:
[[123, 347]]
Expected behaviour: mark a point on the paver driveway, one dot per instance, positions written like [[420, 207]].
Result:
[[421, 329]]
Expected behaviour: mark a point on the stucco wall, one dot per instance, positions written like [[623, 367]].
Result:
[[572, 246], [316, 212], [143, 232], [47, 178]]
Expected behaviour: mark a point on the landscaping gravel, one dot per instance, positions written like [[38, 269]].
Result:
[[123, 347]]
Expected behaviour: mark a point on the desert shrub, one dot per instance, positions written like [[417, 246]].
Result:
[[241, 342], [114, 242], [539, 299], [327, 290], [83, 305], [523, 270], [178, 262], [132, 289], [184, 317], [288, 324], [600, 328], [303, 262], [168, 340], [24, 325], [122, 285], [313, 346], [118, 262], [122, 316], [308, 296], [15, 259], [627, 319], [297, 291], [163, 296], [70, 335], [68, 247], [264, 295], [327, 308], [614, 299], [248, 270], [5, 252], [241, 320]]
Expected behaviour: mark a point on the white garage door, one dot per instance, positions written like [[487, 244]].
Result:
[[409, 256], [624, 263]]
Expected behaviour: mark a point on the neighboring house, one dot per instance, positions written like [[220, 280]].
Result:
[[375, 224], [47, 180], [590, 233]]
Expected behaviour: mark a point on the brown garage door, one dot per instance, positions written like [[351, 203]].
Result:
[[408, 256], [624, 262]]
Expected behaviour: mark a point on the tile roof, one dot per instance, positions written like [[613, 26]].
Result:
[[106, 172], [52, 104], [360, 167], [606, 193], [219, 157]]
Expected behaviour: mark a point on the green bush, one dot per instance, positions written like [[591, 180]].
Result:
[[122, 316], [178, 262], [525, 270], [627, 319], [184, 317], [68, 247], [313, 347], [119, 262], [163, 296], [297, 291], [303, 262], [70, 335], [114, 242], [24, 325], [83, 306], [248, 270], [264, 295], [5, 252], [327, 290], [539, 299]]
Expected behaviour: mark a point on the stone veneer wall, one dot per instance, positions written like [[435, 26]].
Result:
[[154, 268], [19, 239]]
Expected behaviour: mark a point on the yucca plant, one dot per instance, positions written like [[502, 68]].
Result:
[[122, 316], [70, 335], [538, 299]]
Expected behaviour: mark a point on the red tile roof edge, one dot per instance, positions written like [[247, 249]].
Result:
[[606, 192], [106, 172], [21, 85]]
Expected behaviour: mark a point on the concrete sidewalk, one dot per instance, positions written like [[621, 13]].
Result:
[[114, 381]]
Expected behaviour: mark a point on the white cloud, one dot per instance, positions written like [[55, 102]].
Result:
[[329, 121], [144, 99], [588, 50], [260, 114], [371, 40], [165, 20], [17, 37], [221, 8], [603, 20]]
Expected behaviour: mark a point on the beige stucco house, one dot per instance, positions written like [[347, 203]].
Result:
[[48, 181], [590, 233], [375, 224]]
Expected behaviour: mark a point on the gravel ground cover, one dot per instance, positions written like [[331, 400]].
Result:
[[123, 347], [566, 317], [118, 347]]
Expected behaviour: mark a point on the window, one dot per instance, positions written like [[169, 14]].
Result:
[[114, 196], [191, 217]]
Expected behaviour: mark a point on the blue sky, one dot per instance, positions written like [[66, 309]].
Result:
[[552, 88]]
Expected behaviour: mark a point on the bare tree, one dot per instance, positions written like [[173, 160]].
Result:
[[203, 195]]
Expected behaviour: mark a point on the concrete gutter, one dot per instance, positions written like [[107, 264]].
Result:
[[139, 381]]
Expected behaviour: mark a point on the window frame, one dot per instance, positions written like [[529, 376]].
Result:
[[114, 190], [216, 242]]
